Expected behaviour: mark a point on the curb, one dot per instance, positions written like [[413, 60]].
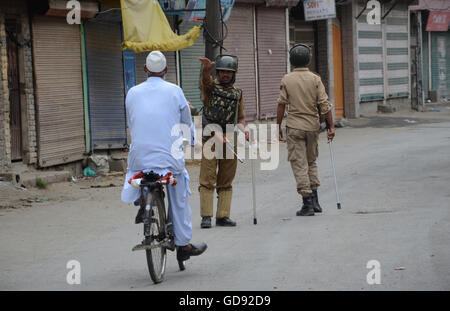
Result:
[[29, 179]]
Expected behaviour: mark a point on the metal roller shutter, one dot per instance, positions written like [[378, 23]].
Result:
[[106, 86], [370, 57], [397, 51], [240, 42], [440, 62], [271, 41], [190, 66], [141, 75], [59, 91]]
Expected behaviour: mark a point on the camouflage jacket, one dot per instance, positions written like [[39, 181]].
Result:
[[222, 107]]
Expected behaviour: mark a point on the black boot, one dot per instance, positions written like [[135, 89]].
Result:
[[307, 208], [316, 204], [140, 216], [194, 250], [225, 222], [206, 222]]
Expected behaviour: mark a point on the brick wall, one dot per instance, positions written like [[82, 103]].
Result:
[[31, 147], [348, 60], [5, 141], [17, 9]]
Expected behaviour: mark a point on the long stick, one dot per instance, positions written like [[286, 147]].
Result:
[[232, 149], [334, 175], [254, 192], [221, 138], [251, 146]]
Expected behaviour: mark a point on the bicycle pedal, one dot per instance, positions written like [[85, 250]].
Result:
[[170, 245], [169, 227], [142, 247]]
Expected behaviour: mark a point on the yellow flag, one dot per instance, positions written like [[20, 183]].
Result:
[[146, 28]]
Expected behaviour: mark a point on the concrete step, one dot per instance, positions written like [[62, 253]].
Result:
[[29, 179]]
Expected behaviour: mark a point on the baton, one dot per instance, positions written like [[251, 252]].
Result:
[[232, 149], [229, 146], [253, 183], [334, 175], [254, 192], [338, 200]]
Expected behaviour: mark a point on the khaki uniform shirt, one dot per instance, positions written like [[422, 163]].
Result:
[[303, 91]]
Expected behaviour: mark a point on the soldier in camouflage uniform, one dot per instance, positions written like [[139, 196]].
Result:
[[222, 104]]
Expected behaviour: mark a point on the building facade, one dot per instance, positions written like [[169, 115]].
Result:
[[63, 86], [375, 58], [430, 51], [398, 63], [17, 106]]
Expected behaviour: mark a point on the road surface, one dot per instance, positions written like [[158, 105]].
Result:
[[394, 182]]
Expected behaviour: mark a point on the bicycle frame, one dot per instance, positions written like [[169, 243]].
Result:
[[148, 201], [148, 192], [165, 237]]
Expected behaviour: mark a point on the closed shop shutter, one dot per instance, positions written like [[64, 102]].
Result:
[[171, 59], [141, 75], [397, 51], [440, 62], [240, 42], [106, 86], [370, 58], [272, 57], [190, 66], [59, 91]]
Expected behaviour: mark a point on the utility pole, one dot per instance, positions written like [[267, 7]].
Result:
[[419, 86], [213, 31]]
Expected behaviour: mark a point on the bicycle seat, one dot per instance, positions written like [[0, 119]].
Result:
[[152, 179]]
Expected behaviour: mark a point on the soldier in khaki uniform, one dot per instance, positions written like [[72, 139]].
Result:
[[223, 104], [305, 94]]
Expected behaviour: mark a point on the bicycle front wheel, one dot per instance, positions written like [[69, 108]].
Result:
[[157, 256]]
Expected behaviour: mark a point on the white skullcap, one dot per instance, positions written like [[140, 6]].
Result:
[[156, 61]]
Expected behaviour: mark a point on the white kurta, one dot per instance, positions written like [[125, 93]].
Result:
[[156, 110]]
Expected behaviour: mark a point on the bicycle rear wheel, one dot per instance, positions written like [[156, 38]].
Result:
[[157, 257]]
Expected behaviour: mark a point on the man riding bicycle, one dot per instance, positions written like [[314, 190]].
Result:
[[153, 109]]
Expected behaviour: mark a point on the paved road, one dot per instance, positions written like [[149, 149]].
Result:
[[394, 179]]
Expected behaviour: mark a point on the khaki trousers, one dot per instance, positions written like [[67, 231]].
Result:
[[217, 174], [303, 151]]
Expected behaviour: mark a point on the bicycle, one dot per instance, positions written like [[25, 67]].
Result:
[[158, 227]]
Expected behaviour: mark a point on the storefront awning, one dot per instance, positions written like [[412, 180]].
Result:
[[432, 5], [59, 8], [438, 21], [281, 3], [271, 3]]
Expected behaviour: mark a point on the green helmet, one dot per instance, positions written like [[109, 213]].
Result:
[[300, 55], [227, 62]]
